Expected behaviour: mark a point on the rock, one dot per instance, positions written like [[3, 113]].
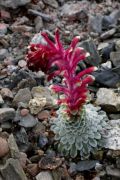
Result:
[[6, 93], [43, 92], [79, 177], [1, 100], [71, 11], [13, 3], [4, 148], [44, 115], [3, 54], [113, 172], [6, 126], [14, 151], [44, 175], [117, 45], [38, 129], [22, 140], [5, 15], [37, 104], [95, 23], [3, 29], [90, 47], [118, 163], [108, 34], [49, 162], [115, 58], [28, 121], [6, 114], [38, 24], [23, 95], [43, 141], [113, 141], [23, 159], [108, 100], [24, 112], [33, 169], [21, 28], [108, 77], [114, 116], [106, 51], [52, 3], [22, 63], [12, 170]]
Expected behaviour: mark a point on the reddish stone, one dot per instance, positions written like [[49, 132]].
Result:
[[3, 28], [5, 15], [24, 112]]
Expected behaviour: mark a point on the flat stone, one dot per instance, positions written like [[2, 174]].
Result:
[[13, 3], [108, 34], [23, 95], [3, 54], [44, 175], [108, 100], [115, 58], [12, 170], [6, 114], [52, 3], [114, 172]]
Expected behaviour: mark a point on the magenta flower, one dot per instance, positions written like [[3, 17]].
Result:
[[43, 57]]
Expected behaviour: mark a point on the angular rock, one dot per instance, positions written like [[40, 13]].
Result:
[[89, 46], [108, 77], [13, 3], [4, 148], [14, 151], [108, 100], [71, 11], [95, 23], [108, 34], [115, 58], [3, 29], [23, 95], [3, 54], [52, 3], [44, 175], [6, 93], [12, 170], [38, 129], [6, 114]]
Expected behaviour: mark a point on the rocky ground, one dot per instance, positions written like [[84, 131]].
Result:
[[27, 146]]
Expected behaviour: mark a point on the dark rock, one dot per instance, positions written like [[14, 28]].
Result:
[[106, 51], [89, 46], [12, 170], [108, 77], [114, 116], [23, 95], [6, 114], [38, 129], [86, 165], [49, 162], [43, 141], [22, 140]]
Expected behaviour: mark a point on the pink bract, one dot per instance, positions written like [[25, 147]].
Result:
[[45, 56]]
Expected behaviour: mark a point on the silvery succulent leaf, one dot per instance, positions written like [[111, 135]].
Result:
[[84, 134]]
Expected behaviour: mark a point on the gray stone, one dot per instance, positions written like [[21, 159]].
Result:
[[108, 34], [23, 95], [72, 10], [14, 151], [118, 162], [44, 175], [95, 23], [114, 116], [3, 54], [6, 114], [114, 172], [108, 100], [6, 126], [38, 24], [28, 121], [13, 3], [22, 140], [1, 100], [117, 45], [89, 46], [115, 58], [12, 170], [52, 3]]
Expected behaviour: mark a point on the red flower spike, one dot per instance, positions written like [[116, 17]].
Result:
[[44, 56]]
